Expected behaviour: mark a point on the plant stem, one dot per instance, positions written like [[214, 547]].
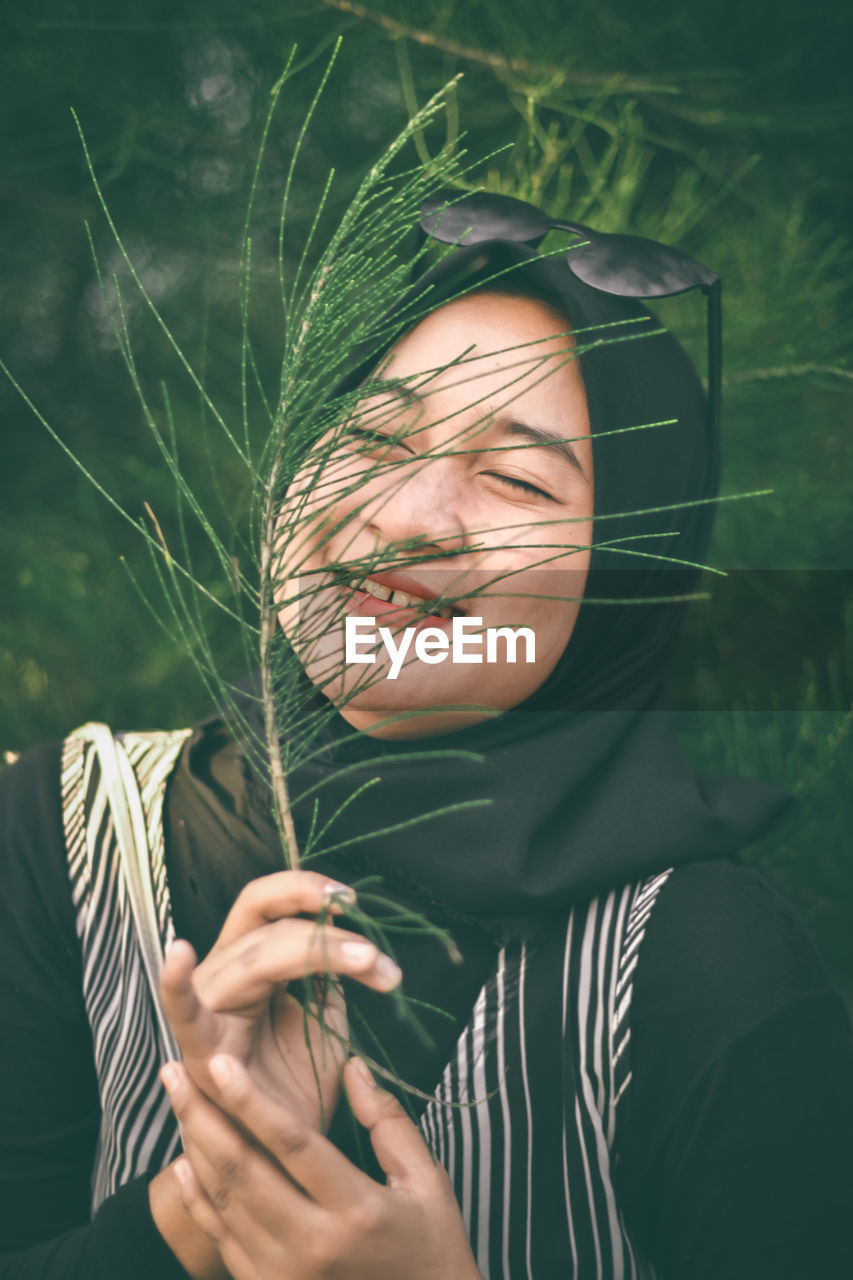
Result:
[[278, 780]]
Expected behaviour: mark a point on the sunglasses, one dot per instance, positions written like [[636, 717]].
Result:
[[628, 266]]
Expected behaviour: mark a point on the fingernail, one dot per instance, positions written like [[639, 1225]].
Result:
[[222, 1070], [363, 1071], [177, 944], [333, 891], [170, 1076], [182, 1171], [358, 952], [388, 971]]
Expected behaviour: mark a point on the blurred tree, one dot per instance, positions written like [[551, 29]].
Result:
[[721, 128]]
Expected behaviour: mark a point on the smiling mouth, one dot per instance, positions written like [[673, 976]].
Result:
[[402, 599]]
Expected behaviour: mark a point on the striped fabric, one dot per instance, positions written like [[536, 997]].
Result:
[[528, 1135], [138, 1131], [525, 1116]]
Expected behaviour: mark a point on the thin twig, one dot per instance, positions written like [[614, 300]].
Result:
[[789, 371], [615, 80], [278, 780]]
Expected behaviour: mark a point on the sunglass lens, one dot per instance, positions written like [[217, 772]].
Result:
[[481, 216], [633, 267]]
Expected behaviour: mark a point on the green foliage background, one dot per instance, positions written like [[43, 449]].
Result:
[[722, 128]]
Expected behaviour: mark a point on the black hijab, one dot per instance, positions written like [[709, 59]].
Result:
[[586, 786]]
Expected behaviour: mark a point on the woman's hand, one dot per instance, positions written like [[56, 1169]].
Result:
[[236, 1001], [280, 1202]]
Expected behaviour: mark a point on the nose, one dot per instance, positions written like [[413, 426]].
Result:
[[422, 505]]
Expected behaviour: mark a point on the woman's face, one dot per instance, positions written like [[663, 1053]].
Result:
[[469, 480]]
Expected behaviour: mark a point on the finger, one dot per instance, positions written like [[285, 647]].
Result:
[[195, 1025], [246, 972], [285, 893], [200, 1208], [246, 1188], [399, 1146], [198, 1203], [309, 1158]]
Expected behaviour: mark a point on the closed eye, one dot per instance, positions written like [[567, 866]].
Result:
[[371, 439], [524, 485]]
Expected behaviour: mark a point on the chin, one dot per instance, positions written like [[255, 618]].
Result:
[[423, 699], [425, 707]]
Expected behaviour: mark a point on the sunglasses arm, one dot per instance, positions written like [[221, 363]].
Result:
[[714, 294]]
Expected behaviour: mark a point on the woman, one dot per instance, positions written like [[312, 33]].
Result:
[[644, 1069]]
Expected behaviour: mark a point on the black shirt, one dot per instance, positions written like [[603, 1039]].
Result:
[[737, 1140]]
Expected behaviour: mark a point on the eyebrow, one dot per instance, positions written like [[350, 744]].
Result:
[[541, 437], [546, 439]]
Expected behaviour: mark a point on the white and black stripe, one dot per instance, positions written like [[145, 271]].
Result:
[[119, 951], [535, 1184], [493, 1125]]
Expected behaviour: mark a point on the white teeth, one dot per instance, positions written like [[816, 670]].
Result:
[[402, 598], [377, 589]]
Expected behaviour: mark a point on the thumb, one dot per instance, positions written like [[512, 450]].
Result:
[[399, 1147]]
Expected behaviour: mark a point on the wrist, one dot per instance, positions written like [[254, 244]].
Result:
[[193, 1249]]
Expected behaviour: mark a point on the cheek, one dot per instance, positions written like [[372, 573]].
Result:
[[542, 576], [568, 578], [319, 518], [555, 628], [319, 493], [317, 504], [548, 596]]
